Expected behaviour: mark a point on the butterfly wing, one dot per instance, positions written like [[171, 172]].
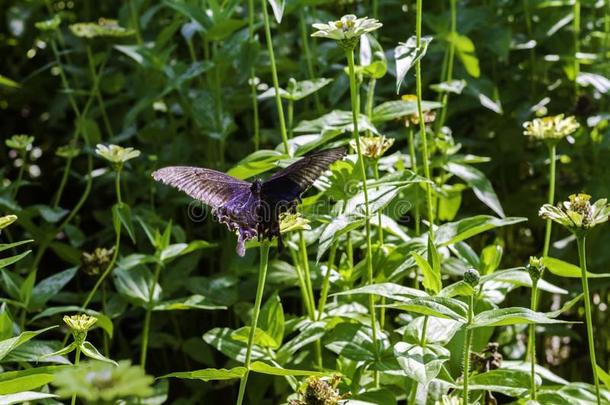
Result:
[[213, 188], [231, 199], [288, 184]]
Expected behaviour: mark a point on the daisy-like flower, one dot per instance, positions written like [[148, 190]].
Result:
[[577, 214], [347, 30], [373, 146], [116, 154], [553, 128], [20, 142], [79, 325], [293, 222]]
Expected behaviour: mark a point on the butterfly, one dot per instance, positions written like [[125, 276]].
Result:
[[251, 210]]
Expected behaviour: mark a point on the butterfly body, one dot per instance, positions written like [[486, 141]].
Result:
[[250, 209]]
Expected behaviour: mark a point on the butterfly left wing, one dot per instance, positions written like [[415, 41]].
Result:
[[288, 184]]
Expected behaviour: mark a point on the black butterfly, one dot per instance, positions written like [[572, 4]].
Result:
[[251, 209]]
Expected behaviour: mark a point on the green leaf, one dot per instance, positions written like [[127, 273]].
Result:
[[452, 86], [422, 364], [49, 287], [271, 319], [337, 121], [59, 353], [195, 301], [7, 261], [442, 307], [103, 321], [221, 340], [395, 109], [256, 163], [603, 376], [432, 280], [8, 345], [565, 307], [24, 397], [23, 380], [565, 269], [6, 82], [210, 374], [264, 368], [453, 232], [278, 9], [387, 290], [460, 288], [466, 53], [511, 316], [407, 54], [480, 185], [513, 383], [90, 351], [261, 338], [121, 214], [519, 278], [353, 342], [5, 246], [135, 284]]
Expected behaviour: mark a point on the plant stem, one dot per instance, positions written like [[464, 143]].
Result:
[[290, 117], [307, 53], [253, 77], [98, 93], [276, 85], [582, 257], [326, 281], [369, 252], [24, 157], [305, 264], [413, 159], [551, 198], [302, 285], [466, 354], [135, 20], [576, 31], [532, 342], [422, 124], [450, 56], [262, 275], [149, 307], [76, 361]]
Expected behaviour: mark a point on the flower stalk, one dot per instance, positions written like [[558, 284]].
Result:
[[262, 275]]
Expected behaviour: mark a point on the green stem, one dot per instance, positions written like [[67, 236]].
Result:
[[582, 257], [253, 78], [147, 317], [117, 185], [450, 56], [413, 159], [63, 182], [276, 85], [551, 198], [302, 284], [466, 354], [422, 125], [326, 281], [306, 271], [76, 361], [290, 117], [106, 272], [24, 157], [532, 343], [135, 21], [307, 53], [369, 252], [262, 275], [98, 93], [576, 32]]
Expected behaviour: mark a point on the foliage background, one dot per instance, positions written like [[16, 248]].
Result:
[[181, 96]]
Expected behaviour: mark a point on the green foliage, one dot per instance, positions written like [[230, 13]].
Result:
[[383, 293]]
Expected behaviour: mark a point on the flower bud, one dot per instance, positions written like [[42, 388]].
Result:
[[472, 277], [535, 268], [80, 325]]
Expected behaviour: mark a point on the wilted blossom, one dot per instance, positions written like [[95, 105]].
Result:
[[413, 119], [320, 391], [373, 146], [95, 263], [347, 30], [553, 128], [20, 142], [116, 154], [577, 214]]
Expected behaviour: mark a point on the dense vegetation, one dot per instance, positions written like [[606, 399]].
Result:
[[441, 261]]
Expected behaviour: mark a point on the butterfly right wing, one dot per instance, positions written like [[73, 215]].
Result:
[[213, 188]]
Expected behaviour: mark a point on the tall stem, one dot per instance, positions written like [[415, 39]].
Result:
[[551, 198], [290, 117], [147, 317], [307, 53], [76, 361], [326, 281], [413, 159], [276, 85], [422, 124], [582, 257], [450, 56], [532, 342], [262, 275], [369, 252], [253, 77], [135, 20], [305, 264], [576, 32], [24, 157], [466, 354]]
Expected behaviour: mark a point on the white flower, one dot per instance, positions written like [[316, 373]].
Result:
[[578, 213], [348, 27], [550, 128], [373, 146], [116, 154]]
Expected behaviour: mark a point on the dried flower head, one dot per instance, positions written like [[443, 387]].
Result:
[[373, 146], [116, 154], [553, 128], [79, 325], [290, 222], [96, 262], [577, 214], [98, 382], [319, 391], [413, 118], [20, 142], [67, 151], [347, 30]]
